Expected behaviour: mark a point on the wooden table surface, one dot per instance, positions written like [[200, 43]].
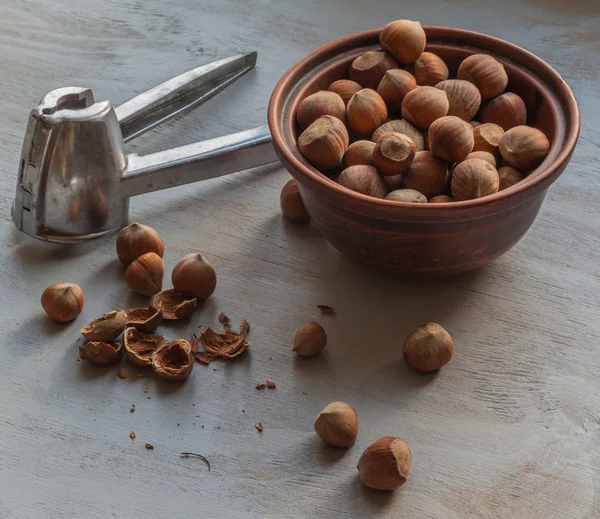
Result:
[[509, 429]]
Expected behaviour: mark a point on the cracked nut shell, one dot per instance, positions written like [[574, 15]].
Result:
[[63, 301], [137, 239], [308, 339], [384, 465], [337, 425], [100, 352], [145, 320], [106, 328], [140, 346], [174, 306], [174, 360]]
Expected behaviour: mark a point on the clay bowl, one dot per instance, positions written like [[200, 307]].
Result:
[[427, 239]]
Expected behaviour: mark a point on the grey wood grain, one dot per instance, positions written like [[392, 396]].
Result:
[[509, 429]]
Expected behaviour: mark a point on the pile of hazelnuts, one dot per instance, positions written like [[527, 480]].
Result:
[[402, 130]]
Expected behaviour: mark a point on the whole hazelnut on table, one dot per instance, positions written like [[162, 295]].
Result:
[[291, 203], [63, 301], [524, 147], [407, 195], [427, 174], [394, 85], [483, 155], [384, 465], [464, 98], [401, 126], [193, 276], [423, 105], [137, 239], [429, 69], [428, 348], [324, 142], [369, 69], [337, 425], [145, 274], [366, 112], [472, 179], [308, 339], [486, 137], [403, 39], [364, 179], [393, 153], [507, 111], [486, 73], [509, 176], [441, 199], [359, 153], [318, 104], [451, 138], [345, 88]]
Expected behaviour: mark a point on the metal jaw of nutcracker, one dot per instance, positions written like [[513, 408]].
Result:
[[75, 178]]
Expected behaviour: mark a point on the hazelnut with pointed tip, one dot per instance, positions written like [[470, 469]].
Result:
[[318, 104], [472, 179], [524, 147], [486, 73], [308, 339], [137, 239], [193, 276], [507, 111], [403, 39], [369, 69], [428, 348], [366, 112], [345, 88], [337, 425], [429, 69], [464, 98], [385, 464], [324, 142], [451, 138], [394, 153], [364, 179], [394, 86], [63, 301], [144, 275], [423, 105], [291, 203]]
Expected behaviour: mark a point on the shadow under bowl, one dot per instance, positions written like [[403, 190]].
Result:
[[427, 240]]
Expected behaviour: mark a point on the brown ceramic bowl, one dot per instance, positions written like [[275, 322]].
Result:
[[427, 239]]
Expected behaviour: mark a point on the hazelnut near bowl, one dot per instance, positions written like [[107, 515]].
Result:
[[427, 239]]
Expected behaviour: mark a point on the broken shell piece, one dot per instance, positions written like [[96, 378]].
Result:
[[174, 360], [174, 305], [205, 358], [100, 352], [140, 346], [145, 320], [106, 328], [229, 344]]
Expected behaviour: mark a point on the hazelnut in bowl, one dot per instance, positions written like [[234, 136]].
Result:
[[473, 128]]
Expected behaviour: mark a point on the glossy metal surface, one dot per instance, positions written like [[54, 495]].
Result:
[[74, 175]]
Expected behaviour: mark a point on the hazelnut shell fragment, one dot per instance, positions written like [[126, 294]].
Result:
[[100, 352], [106, 328], [140, 346], [174, 360], [145, 320], [174, 306]]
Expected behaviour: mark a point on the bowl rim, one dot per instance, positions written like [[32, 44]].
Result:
[[538, 176]]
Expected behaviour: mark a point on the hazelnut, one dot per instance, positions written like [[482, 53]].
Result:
[[337, 425], [359, 153], [427, 174], [364, 179], [509, 176], [483, 155], [291, 203], [368, 70], [486, 138], [507, 111], [345, 88], [395, 84], [524, 147], [106, 328], [63, 301], [366, 112], [463, 97], [473, 178], [145, 320], [318, 104], [428, 348], [403, 39], [384, 465], [309, 339], [423, 105], [393, 153], [429, 69], [401, 126], [193, 276], [100, 352], [174, 305], [393, 182], [486, 73], [137, 239], [409, 196], [139, 346], [451, 138], [324, 142], [174, 360], [441, 199], [145, 274]]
